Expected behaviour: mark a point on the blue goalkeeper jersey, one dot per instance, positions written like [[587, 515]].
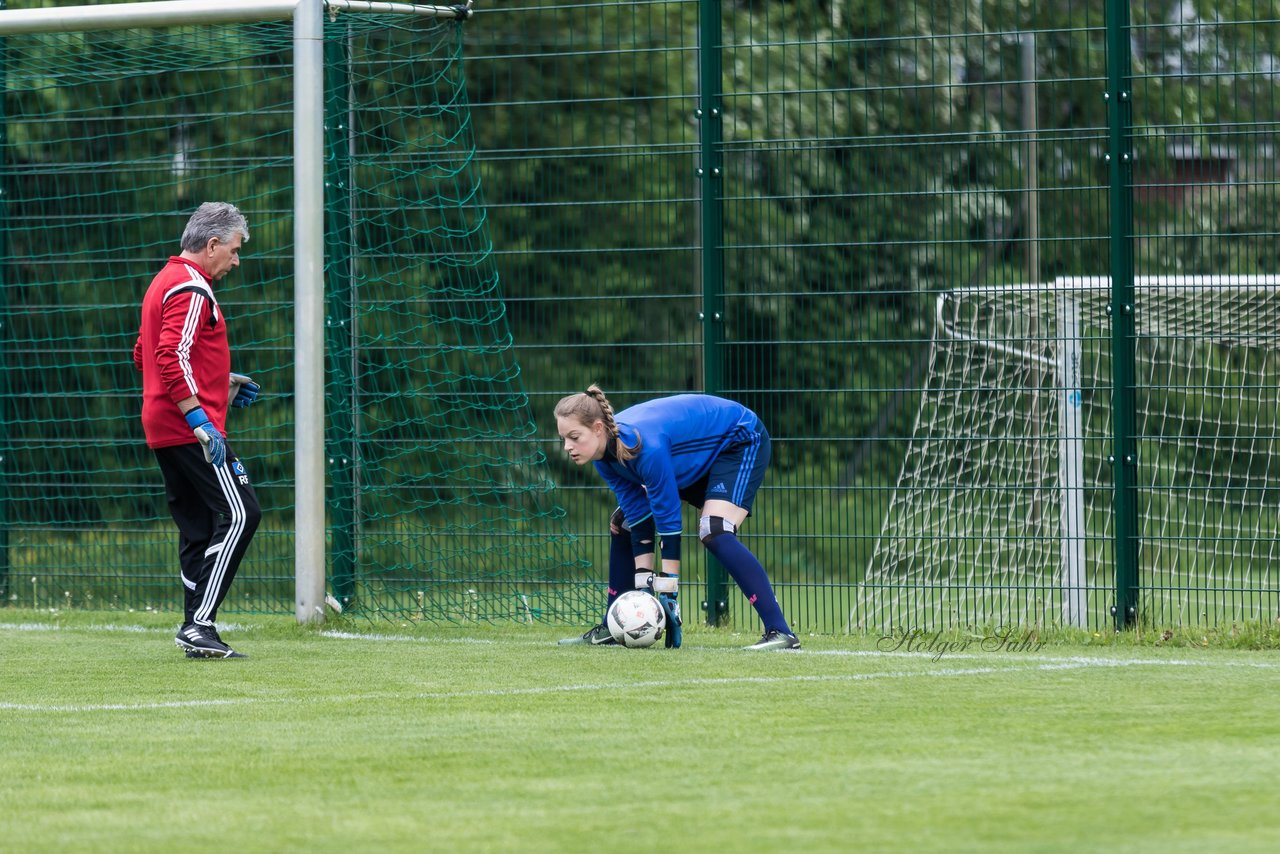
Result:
[[681, 436]]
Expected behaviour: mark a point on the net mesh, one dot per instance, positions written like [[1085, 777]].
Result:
[[438, 505], [1003, 491]]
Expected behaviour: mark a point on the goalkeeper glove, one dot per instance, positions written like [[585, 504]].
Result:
[[211, 441], [667, 589], [244, 391]]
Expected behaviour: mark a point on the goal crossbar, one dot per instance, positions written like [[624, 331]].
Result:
[[168, 13], [1065, 287], [1157, 283]]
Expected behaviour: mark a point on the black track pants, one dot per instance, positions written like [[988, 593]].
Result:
[[217, 512]]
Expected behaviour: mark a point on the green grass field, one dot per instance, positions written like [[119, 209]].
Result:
[[362, 737]]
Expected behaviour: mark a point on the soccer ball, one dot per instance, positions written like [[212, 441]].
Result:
[[636, 619]]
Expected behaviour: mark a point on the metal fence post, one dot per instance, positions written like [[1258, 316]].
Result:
[[711, 221], [1124, 460]]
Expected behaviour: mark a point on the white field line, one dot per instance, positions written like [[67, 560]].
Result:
[[997, 654], [994, 655], [941, 672], [105, 627], [233, 627], [121, 707], [395, 638], [1101, 661]]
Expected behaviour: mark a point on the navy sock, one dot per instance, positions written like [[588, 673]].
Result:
[[622, 567], [751, 577]]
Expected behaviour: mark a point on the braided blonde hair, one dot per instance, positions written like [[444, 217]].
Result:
[[591, 406]]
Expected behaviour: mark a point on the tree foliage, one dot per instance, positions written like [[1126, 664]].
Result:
[[874, 154]]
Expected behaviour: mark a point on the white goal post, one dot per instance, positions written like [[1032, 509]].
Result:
[[308, 207], [1015, 418]]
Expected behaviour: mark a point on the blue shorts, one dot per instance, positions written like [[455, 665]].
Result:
[[734, 476]]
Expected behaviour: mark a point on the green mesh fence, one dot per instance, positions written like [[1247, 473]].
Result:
[[925, 219], [916, 255], [111, 140], [439, 506]]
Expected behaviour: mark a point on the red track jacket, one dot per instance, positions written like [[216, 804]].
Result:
[[182, 351]]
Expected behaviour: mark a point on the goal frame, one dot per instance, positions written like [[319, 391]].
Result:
[[1068, 294], [307, 16]]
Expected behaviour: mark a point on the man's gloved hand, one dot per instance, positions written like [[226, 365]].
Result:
[[667, 589], [244, 391], [211, 441]]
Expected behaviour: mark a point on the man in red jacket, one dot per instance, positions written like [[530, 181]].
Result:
[[187, 385]]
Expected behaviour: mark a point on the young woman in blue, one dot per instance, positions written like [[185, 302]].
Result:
[[698, 448]]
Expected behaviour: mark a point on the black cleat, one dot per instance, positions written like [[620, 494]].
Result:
[[594, 636], [774, 639], [203, 642]]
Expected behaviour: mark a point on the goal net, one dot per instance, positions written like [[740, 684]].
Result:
[[1002, 512], [438, 503]]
